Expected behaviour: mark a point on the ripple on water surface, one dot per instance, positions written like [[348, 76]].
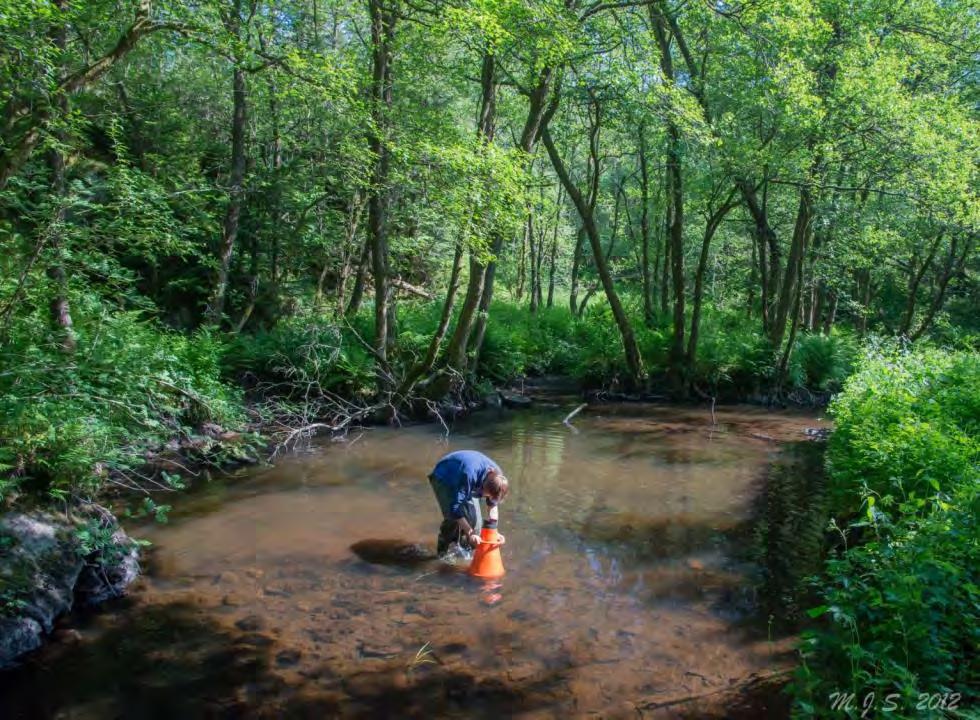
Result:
[[628, 582]]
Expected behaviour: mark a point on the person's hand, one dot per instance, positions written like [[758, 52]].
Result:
[[475, 539], [501, 539]]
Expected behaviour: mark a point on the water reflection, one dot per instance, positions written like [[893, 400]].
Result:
[[491, 591], [784, 538]]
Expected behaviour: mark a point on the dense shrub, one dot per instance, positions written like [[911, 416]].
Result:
[[907, 429], [901, 603], [301, 354], [822, 362], [67, 419], [734, 359], [733, 355]]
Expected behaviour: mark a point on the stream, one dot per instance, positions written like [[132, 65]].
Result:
[[654, 563]]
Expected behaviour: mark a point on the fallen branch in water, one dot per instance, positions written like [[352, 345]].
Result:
[[574, 412], [747, 685]]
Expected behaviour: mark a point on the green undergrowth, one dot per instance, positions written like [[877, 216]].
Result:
[[900, 611], [734, 360], [68, 420]]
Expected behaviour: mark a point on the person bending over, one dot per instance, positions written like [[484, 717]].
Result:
[[459, 480]]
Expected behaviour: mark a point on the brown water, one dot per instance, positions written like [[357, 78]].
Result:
[[646, 550]]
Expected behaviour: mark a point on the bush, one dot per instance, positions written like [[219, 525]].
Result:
[[299, 355], [906, 429], [553, 341], [822, 362], [732, 355], [901, 606], [66, 420]]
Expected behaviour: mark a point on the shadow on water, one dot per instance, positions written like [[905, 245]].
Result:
[[763, 561], [171, 661], [158, 662], [785, 536]]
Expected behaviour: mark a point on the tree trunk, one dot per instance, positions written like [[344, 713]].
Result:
[[435, 343], [360, 278], [486, 128], [914, 283], [275, 199], [804, 217], [537, 274], [483, 312], [788, 350], [576, 268], [253, 293], [828, 321], [383, 17], [529, 233], [675, 203], [541, 107], [753, 280], [608, 254], [59, 309], [768, 247], [696, 300], [456, 352], [952, 267], [864, 292], [554, 250], [818, 295], [226, 249], [522, 263], [645, 229], [634, 362], [355, 209], [675, 368]]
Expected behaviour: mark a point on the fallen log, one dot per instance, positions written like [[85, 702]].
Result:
[[414, 289]]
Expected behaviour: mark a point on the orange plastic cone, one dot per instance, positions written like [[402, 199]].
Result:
[[487, 562]]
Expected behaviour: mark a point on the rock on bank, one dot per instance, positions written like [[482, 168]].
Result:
[[46, 570]]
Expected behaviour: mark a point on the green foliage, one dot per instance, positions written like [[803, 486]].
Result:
[[300, 355], [822, 362], [901, 605], [906, 429], [95, 537], [734, 359], [67, 421], [733, 356]]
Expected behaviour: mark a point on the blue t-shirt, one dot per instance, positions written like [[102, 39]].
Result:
[[463, 472]]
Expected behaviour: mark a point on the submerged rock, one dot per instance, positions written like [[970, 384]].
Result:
[[18, 636], [817, 433], [44, 573], [392, 552]]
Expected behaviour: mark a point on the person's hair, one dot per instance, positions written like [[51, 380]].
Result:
[[497, 484]]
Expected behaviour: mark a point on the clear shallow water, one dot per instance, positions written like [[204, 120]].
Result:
[[645, 551]]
